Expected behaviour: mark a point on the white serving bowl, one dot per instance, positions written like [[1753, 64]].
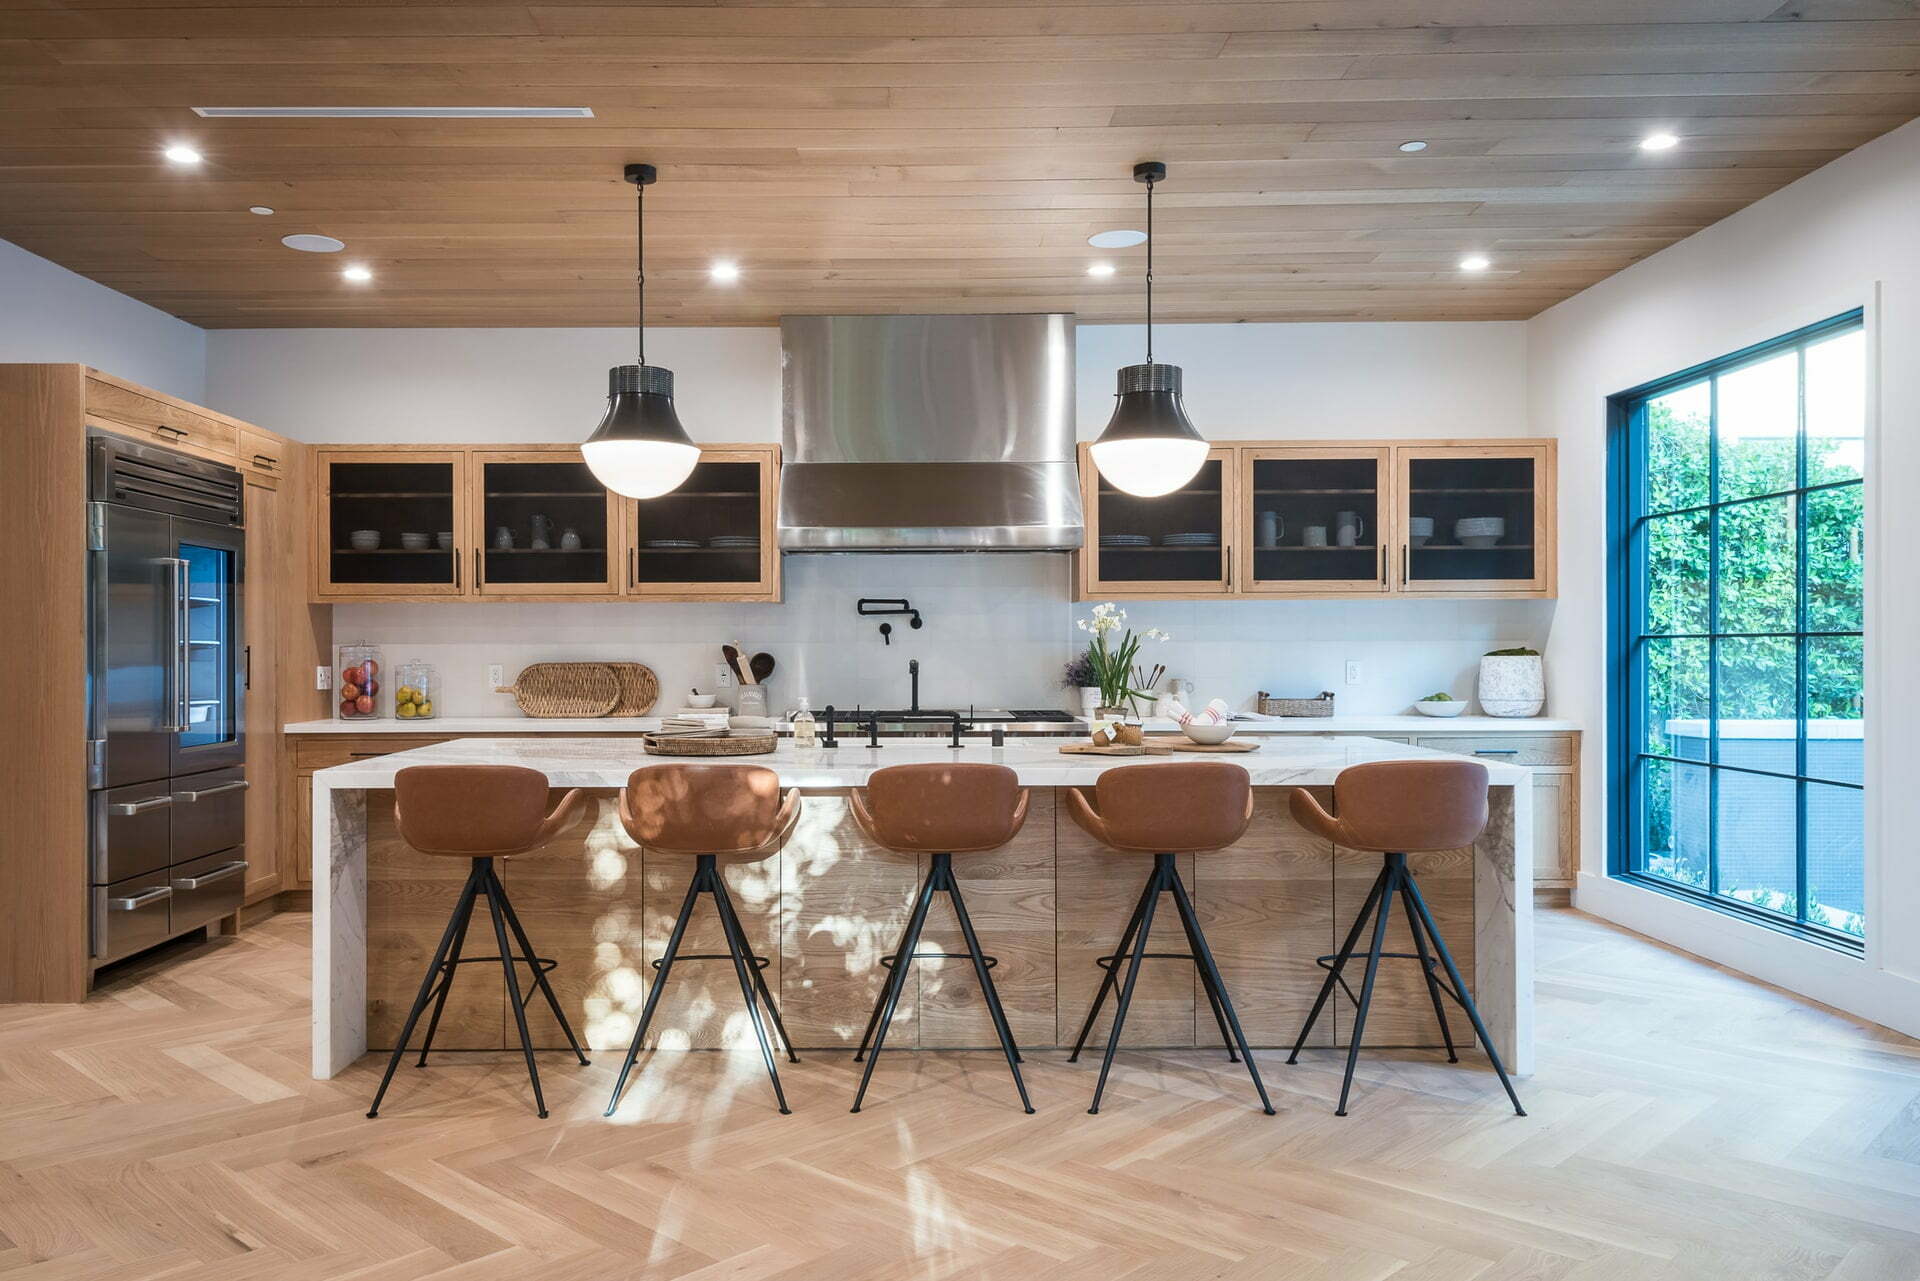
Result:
[[1480, 540], [702, 700], [1444, 711], [364, 540], [414, 542], [1208, 732]]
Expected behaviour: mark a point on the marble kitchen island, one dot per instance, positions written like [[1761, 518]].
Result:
[[830, 903]]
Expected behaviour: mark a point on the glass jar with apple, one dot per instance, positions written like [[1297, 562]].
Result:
[[360, 678]]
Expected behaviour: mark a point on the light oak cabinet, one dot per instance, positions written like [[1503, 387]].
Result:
[[1333, 520], [530, 523], [1554, 762]]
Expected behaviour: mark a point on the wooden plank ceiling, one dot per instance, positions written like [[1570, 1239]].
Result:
[[877, 157]]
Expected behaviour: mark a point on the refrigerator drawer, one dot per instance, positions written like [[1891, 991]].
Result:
[[208, 888], [131, 915], [131, 828], [209, 813]]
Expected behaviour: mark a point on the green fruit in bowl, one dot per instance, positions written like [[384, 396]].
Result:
[[1438, 698]]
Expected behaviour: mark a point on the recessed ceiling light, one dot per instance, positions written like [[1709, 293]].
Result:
[[724, 272], [1659, 142], [1100, 269], [309, 244], [396, 113], [1475, 262], [181, 154], [262, 210], [357, 274], [1117, 239], [1413, 144]]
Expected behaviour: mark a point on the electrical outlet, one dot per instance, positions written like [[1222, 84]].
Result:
[[1353, 671], [722, 676], [496, 676], [323, 677]]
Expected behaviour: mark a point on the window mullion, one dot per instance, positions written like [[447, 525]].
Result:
[[1800, 646], [1713, 635]]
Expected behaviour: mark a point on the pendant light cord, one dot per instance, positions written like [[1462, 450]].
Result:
[[640, 263], [1149, 271]]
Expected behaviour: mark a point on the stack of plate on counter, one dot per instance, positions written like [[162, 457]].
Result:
[[1480, 531], [671, 544], [736, 541], [1197, 539], [1125, 540], [695, 722]]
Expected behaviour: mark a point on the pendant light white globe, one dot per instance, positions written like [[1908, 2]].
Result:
[[640, 450], [1149, 448]]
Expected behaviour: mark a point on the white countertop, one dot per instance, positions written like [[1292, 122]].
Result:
[[606, 762], [1360, 724]]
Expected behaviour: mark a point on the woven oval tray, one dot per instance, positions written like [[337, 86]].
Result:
[[639, 689], [733, 745], [549, 690]]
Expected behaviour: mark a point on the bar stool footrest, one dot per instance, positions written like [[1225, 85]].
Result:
[[759, 962], [1108, 962], [991, 961], [1432, 964]]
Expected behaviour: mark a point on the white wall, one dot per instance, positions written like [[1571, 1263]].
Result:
[[50, 315], [1842, 237], [999, 626]]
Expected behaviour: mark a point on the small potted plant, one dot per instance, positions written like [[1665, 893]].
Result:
[[1513, 682], [1078, 675], [1111, 660]]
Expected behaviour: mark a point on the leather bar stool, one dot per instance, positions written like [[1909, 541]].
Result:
[[1393, 808], [479, 813], [939, 810], [1164, 810], [710, 812]]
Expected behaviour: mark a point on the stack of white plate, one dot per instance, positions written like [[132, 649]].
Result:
[[733, 540], [671, 544], [1196, 539], [1125, 540], [1480, 531]]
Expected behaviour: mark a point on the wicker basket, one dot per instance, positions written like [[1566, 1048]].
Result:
[[548, 690], [639, 689], [1270, 706], [734, 745]]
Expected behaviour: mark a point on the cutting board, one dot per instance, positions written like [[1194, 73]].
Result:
[[1188, 745], [1116, 749]]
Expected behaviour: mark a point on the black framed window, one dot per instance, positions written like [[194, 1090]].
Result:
[[1736, 689]]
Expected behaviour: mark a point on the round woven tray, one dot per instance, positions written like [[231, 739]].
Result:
[[734, 745], [550, 690], [639, 689]]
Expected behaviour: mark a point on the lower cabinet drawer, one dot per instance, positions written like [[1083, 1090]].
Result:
[[208, 888], [1509, 749], [209, 812], [131, 914]]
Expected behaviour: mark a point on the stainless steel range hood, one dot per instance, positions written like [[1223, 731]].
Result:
[[929, 433]]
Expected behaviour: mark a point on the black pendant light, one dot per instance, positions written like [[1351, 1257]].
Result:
[[1149, 448], [640, 449]]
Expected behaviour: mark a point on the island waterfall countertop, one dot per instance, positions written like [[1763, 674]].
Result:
[[826, 906]]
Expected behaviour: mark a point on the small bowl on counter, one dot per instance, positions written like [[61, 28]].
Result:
[[1208, 732], [1445, 711]]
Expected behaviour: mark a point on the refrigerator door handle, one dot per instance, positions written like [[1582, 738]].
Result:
[[238, 785], [140, 900], [127, 809], [177, 673], [220, 873]]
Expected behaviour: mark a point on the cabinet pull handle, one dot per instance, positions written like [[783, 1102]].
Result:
[[263, 461], [1496, 751], [220, 873], [127, 809], [237, 785], [1229, 550], [1406, 565], [456, 569], [633, 568], [1383, 564], [479, 571], [138, 901]]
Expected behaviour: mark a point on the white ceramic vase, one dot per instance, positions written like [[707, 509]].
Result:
[[1512, 685], [1089, 699]]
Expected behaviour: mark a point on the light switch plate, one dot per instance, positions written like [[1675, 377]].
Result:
[[323, 677], [722, 676], [496, 676]]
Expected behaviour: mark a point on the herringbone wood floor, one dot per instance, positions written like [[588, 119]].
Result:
[[1687, 1124]]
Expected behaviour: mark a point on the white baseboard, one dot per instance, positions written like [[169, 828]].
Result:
[[1819, 973]]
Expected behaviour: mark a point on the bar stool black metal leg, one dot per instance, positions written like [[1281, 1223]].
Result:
[[462, 914], [494, 895], [742, 965], [539, 974], [923, 895], [653, 993], [759, 976], [1154, 887], [1339, 964], [985, 978], [1426, 965], [1465, 997], [1112, 975], [897, 981], [1210, 974], [420, 1001], [1209, 985], [1389, 879]]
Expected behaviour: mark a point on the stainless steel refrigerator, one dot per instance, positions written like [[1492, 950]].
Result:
[[166, 683]]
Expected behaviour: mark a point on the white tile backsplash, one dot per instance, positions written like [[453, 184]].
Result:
[[998, 630]]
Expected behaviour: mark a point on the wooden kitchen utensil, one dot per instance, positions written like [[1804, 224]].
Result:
[[761, 665], [639, 689], [1188, 745], [741, 671], [549, 690], [1150, 748]]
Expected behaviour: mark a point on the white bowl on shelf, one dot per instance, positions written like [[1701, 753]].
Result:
[[1208, 732], [1445, 711], [414, 542], [1482, 541], [364, 540]]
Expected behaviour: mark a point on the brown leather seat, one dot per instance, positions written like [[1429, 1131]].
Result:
[[708, 809], [477, 811], [1400, 806], [1183, 807], [941, 808]]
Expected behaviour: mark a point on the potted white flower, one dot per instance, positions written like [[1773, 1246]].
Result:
[[1110, 661]]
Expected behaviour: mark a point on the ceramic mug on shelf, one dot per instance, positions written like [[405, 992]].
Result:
[[1349, 528], [503, 539], [1313, 536], [1271, 529]]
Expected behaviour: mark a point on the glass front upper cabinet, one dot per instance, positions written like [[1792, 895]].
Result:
[[1474, 518], [1314, 521], [1176, 544], [391, 519], [713, 537], [545, 526]]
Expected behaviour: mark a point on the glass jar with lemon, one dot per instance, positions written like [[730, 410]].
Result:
[[416, 690]]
